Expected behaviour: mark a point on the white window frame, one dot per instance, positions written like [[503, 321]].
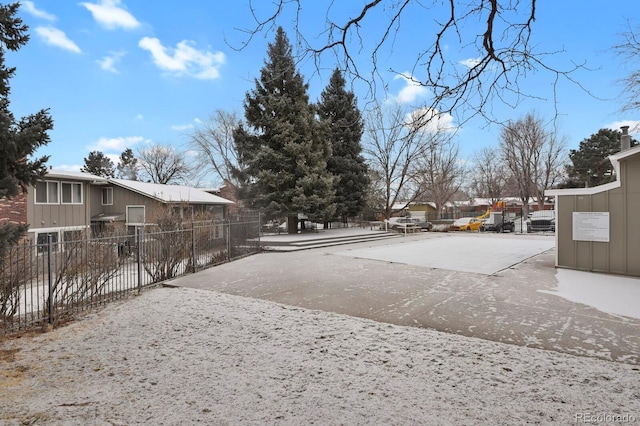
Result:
[[47, 182], [72, 184], [129, 223], [109, 191]]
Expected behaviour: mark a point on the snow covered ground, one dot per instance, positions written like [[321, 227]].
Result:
[[177, 356], [187, 356]]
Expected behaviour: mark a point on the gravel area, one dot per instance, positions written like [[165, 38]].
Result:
[[186, 356]]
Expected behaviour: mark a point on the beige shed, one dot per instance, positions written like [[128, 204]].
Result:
[[598, 229]]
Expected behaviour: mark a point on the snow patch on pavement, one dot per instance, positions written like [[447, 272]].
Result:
[[607, 293]]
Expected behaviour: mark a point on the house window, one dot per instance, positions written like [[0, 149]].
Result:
[[71, 193], [135, 215], [74, 235], [43, 241], [107, 196], [47, 192]]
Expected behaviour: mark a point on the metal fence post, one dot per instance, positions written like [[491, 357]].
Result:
[[50, 275], [259, 228], [193, 247], [229, 240], [139, 260]]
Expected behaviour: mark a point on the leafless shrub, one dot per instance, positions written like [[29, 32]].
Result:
[[82, 271], [14, 273], [169, 243]]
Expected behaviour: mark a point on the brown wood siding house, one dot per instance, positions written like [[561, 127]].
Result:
[[63, 204], [59, 205]]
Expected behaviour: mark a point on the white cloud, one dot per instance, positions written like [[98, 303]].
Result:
[[55, 37], [139, 117], [184, 59], [108, 63], [634, 125], [182, 126], [196, 121], [109, 15], [431, 120], [116, 144], [31, 9], [411, 91], [470, 62]]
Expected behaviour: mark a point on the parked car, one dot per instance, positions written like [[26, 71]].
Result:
[[542, 220], [466, 224], [423, 224], [496, 222]]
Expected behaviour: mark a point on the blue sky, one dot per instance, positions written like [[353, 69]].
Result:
[[125, 73]]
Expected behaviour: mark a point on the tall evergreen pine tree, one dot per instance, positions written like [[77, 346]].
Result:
[[283, 154], [590, 165], [339, 112], [98, 164], [127, 167], [18, 140]]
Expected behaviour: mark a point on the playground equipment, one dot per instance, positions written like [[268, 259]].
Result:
[[484, 215]]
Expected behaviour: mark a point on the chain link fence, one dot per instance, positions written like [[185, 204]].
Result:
[[50, 282]]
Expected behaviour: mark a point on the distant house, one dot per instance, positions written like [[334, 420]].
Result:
[[422, 210], [64, 204]]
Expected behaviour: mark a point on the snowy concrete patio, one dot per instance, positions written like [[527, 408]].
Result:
[[500, 287]]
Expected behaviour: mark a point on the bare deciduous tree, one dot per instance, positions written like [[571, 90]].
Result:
[[534, 156], [392, 146], [213, 140], [497, 37], [441, 174], [490, 174], [629, 50], [163, 164]]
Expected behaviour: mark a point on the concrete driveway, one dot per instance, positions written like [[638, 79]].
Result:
[[489, 286]]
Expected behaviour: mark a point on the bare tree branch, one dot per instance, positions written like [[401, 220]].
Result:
[[533, 155], [393, 148], [440, 174], [499, 55], [629, 50], [162, 164], [214, 141]]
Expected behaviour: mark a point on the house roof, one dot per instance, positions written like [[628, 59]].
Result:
[[60, 174], [171, 193], [160, 192]]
